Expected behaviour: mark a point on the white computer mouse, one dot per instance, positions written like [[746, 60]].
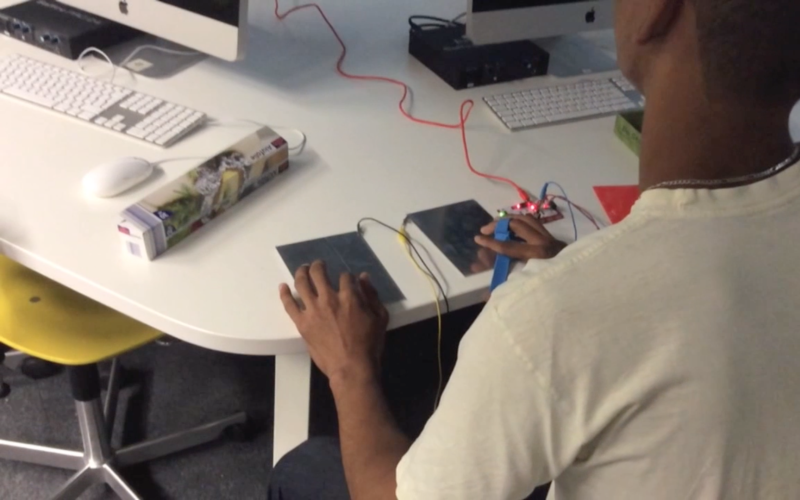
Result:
[[112, 178]]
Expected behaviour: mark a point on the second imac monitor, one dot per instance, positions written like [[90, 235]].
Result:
[[497, 21]]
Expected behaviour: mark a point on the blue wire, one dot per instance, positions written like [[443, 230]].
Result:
[[543, 196]]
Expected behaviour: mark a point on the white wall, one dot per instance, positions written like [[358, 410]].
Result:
[[794, 123]]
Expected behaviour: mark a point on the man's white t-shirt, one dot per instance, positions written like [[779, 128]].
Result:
[[658, 359]]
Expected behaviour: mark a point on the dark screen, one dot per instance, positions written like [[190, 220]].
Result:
[[226, 11], [489, 5]]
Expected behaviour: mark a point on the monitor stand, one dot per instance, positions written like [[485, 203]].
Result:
[[582, 54], [152, 63]]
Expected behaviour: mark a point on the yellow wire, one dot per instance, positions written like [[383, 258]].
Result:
[[405, 240]]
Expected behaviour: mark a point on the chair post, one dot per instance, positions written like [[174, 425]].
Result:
[[85, 384], [112, 396]]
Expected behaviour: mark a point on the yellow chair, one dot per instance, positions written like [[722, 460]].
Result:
[[44, 319]]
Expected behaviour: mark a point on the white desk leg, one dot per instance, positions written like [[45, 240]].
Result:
[[292, 401]]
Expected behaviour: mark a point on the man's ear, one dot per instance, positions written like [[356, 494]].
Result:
[[659, 18]]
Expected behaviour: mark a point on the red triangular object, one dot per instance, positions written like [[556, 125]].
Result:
[[617, 201]]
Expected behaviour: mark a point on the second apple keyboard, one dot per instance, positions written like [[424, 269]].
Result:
[[565, 103]]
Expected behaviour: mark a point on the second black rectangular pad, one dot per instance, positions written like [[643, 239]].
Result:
[[452, 229]]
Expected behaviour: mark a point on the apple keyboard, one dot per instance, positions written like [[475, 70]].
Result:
[[101, 103], [565, 103]]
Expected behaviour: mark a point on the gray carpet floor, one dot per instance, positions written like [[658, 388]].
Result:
[[167, 389]]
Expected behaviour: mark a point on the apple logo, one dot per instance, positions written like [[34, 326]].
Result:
[[123, 7], [591, 16]]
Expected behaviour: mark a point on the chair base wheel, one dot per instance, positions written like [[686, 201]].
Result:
[[166, 341], [38, 369], [5, 390]]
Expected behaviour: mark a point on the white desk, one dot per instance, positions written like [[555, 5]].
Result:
[[219, 288]]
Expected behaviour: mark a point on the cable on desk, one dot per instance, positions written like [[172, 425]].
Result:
[[543, 196], [128, 58], [433, 22], [345, 74], [586, 213], [408, 244], [95, 50], [294, 150], [464, 113], [468, 105], [405, 240]]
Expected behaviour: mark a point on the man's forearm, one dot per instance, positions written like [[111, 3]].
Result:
[[372, 444]]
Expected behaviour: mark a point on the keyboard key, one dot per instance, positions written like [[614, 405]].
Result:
[[29, 96], [573, 116], [136, 132], [173, 133]]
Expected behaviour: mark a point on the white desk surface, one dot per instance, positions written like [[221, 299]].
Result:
[[218, 289]]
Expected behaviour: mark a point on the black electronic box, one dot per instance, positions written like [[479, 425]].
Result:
[[60, 28], [450, 54]]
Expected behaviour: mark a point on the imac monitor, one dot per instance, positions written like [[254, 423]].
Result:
[[214, 27], [497, 21]]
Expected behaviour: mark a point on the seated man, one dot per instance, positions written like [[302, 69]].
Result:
[[656, 359]]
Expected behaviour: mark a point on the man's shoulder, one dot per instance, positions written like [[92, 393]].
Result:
[[590, 270], [565, 316]]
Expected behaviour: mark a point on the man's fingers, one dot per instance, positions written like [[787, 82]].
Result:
[[346, 284], [488, 229], [526, 231], [528, 220], [484, 262], [289, 303], [534, 223], [486, 257], [370, 293], [513, 249], [319, 277], [371, 296], [302, 283]]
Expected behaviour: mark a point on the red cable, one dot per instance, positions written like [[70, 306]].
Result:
[[350, 76], [463, 116], [579, 208]]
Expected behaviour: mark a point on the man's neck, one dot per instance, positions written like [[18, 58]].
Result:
[[688, 137]]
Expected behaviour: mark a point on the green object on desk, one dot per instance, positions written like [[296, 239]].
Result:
[[628, 128]]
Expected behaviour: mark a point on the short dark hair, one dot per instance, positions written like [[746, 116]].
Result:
[[750, 49]]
